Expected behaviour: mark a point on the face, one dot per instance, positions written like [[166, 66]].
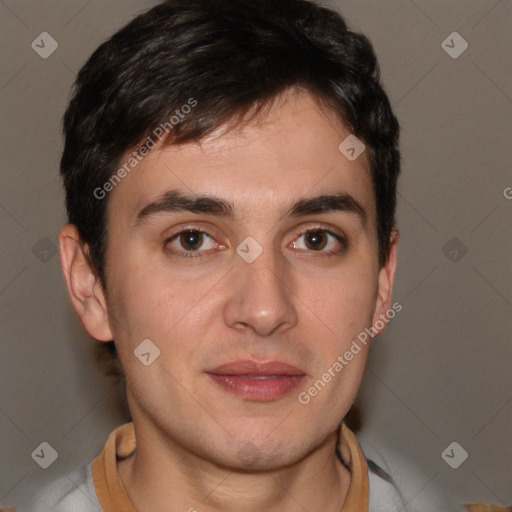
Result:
[[251, 295]]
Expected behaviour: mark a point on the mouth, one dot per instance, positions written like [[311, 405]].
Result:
[[260, 382]]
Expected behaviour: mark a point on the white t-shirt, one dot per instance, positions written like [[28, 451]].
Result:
[[76, 492]]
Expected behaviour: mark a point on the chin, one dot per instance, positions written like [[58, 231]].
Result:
[[248, 458]]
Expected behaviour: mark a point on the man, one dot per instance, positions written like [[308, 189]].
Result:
[[230, 169]]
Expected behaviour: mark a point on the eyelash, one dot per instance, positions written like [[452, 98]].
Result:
[[200, 254], [339, 238]]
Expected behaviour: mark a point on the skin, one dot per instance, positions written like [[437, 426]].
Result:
[[294, 303]]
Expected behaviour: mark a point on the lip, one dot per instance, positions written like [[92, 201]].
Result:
[[257, 381]]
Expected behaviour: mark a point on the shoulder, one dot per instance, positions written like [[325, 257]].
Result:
[[399, 484], [71, 493], [385, 496]]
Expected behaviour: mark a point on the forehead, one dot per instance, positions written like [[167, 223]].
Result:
[[289, 151]]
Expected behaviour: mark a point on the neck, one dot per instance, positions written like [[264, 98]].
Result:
[[164, 473]]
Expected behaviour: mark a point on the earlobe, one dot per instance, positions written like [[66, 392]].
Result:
[[386, 281], [84, 288]]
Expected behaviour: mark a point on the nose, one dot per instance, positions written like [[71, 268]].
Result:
[[261, 300]]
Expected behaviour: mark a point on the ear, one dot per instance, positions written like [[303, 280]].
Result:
[[84, 288], [386, 280]]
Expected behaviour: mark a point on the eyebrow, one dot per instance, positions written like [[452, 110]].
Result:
[[177, 201]]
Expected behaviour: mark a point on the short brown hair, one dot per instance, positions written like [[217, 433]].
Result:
[[229, 56]]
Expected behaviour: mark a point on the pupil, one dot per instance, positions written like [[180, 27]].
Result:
[[317, 239], [191, 240]]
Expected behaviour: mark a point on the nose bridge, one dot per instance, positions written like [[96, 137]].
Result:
[[261, 299], [266, 274]]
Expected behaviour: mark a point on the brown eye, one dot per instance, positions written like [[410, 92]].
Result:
[[191, 243], [316, 240], [191, 240], [322, 241]]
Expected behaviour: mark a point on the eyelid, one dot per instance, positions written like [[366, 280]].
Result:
[[338, 235], [330, 230], [192, 254], [321, 227]]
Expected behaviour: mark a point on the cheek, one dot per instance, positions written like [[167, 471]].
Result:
[[342, 305], [149, 303]]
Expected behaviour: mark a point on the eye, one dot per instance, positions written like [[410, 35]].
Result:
[[190, 241], [320, 240]]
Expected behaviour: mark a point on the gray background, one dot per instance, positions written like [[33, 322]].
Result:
[[441, 371]]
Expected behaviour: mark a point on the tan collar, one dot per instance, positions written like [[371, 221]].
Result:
[[121, 444]]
